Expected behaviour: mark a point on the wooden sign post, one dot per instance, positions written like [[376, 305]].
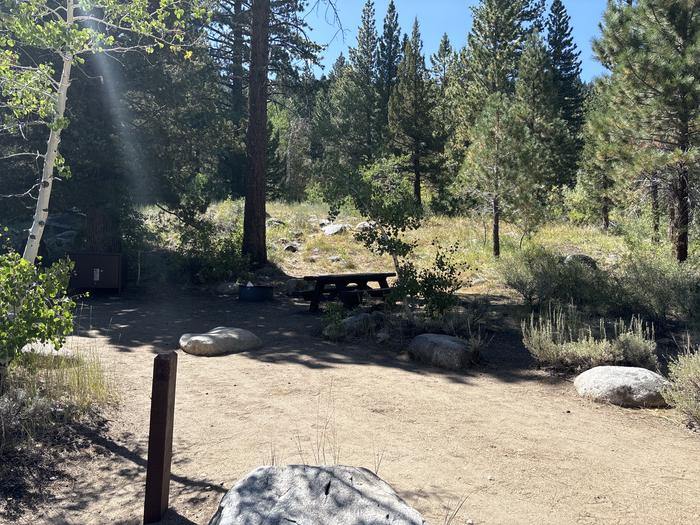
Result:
[[160, 437]]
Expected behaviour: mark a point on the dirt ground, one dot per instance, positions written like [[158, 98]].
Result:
[[516, 444]]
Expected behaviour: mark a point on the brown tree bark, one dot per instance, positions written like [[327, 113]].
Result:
[[606, 214], [655, 210], [496, 228], [254, 234], [681, 214], [417, 181]]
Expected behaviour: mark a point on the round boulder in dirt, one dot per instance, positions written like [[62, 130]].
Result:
[[442, 351], [308, 495], [625, 386], [220, 341]]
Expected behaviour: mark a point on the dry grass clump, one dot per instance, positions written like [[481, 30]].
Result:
[[683, 391], [560, 339], [45, 398]]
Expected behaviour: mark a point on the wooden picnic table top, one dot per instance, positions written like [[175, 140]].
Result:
[[369, 276]]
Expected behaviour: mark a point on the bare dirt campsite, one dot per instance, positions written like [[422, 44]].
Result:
[[517, 444], [370, 262]]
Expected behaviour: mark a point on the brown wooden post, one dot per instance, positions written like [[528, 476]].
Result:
[[160, 437]]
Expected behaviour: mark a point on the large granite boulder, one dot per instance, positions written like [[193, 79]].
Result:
[[307, 495], [442, 351], [220, 341], [622, 385]]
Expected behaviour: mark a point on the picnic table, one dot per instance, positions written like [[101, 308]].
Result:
[[347, 284]]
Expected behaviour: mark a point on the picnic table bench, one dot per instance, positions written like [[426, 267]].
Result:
[[346, 284]]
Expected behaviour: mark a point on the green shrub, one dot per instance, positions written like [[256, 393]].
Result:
[[333, 315], [34, 306], [561, 340], [683, 391], [541, 276], [653, 284], [532, 272], [439, 283]]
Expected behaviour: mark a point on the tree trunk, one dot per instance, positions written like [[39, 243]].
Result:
[[417, 181], [655, 210], [41, 214], [606, 215], [496, 228], [254, 238], [681, 215]]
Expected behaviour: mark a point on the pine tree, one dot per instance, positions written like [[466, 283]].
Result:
[[441, 63], [493, 161], [597, 187], [388, 61], [545, 132], [363, 60], [651, 47], [411, 115], [568, 96], [494, 45]]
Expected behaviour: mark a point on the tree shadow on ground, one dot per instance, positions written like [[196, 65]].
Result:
[[291, 335]]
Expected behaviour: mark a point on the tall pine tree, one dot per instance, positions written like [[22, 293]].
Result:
[[363, 60], [651, 48], [539, 166], [412, 117], [568, 94], [492, 163], [389, 57]]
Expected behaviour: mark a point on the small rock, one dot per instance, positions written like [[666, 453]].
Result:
[[625, 386], [292, 247], [335, 258], [363, 227], [383, 336], [335, 229]]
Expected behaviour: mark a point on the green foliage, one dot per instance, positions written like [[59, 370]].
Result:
[[207, 250], [646, 282], [438, 283], [565, 65], [562, 340], [413, 129], [683, 392], [388, 59], [653, 284], [385, 197], [651, 48], [498, 164], [599, 186], [541, 276], [363, 62], [34, 306]]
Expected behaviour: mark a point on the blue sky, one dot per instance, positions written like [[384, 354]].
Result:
[[447, 16]]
